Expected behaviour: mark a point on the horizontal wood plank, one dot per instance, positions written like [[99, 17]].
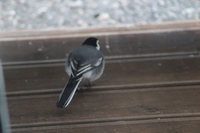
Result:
[[5, 35], [117, 72], [184, 39], [148, 126], [106, 104]]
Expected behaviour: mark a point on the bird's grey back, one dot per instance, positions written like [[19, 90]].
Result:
[[86, 54]]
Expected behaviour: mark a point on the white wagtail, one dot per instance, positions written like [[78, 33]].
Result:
[[85, 62]]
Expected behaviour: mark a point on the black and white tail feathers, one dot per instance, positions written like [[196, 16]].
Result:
[[72, 85], [68, 92]]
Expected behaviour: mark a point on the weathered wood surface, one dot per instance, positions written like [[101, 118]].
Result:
[[137, 42], [138, 71], [151, 81], [106, 104], [117, 29]]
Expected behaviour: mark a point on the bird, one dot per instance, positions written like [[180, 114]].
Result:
[[85, 62]]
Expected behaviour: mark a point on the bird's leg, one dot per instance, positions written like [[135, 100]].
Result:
[[86, 86], [79, 89], [89, 84]]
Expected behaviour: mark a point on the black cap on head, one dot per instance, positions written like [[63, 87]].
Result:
[[92, 42]]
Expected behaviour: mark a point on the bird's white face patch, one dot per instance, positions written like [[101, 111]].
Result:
[[98, 46]]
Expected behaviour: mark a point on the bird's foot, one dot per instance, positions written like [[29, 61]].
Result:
[[88, 85], [80, 89]]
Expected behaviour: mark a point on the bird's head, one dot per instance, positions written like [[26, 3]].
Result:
[[92, 42]]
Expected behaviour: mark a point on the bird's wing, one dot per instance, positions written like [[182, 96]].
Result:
[[78, 70]]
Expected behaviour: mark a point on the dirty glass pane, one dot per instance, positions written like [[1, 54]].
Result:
[[53, 53]]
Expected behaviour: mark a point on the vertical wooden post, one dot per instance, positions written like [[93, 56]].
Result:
[[4, 118]]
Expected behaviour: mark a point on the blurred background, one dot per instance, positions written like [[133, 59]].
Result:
[[46, 14]]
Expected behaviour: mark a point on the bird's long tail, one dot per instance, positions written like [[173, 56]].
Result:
[[68, 92]]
